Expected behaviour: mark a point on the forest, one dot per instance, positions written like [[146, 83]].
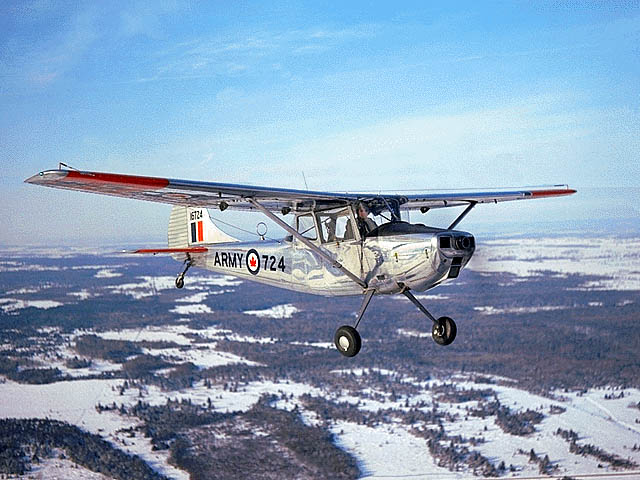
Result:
[[24, 442]]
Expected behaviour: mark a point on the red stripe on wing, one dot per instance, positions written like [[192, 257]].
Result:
[[552, 193], [129, 180]]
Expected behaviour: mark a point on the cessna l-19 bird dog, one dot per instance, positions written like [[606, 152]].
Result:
[[333, 246]]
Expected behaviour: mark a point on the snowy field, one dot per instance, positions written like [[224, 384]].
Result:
[[74, 402], [608, 417], [384, 451], [615, 258], [62, 469]]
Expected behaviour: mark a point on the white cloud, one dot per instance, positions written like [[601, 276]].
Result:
[[456, 149], [248, 51]]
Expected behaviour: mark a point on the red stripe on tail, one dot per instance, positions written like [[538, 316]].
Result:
[[171, 250]]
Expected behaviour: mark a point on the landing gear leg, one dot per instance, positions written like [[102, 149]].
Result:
[[347, 339], [444, 329], [180, 278]]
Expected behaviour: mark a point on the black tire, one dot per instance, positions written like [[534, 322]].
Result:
[[444, 332], [347, 341], [180, 281]]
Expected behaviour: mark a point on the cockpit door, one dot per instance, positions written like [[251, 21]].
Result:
[[304, 260], [339, 235]]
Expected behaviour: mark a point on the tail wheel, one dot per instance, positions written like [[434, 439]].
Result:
[[444, 332], [347, 341]]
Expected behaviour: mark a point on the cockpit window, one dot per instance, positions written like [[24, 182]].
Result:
[[306, 227], [335, 225]]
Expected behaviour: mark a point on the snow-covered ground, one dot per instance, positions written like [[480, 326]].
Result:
[[489, 310], [413, 333], [386, 450], [74, 402], [63, 469], [389, 451], [191, 309], [166, 333], [59, 252], [614, 258], [608, 424], [10, 305], [192, 348], [107, 273], [147, 286], [278, 311], [315, 344], [83, 294], [103, 271]]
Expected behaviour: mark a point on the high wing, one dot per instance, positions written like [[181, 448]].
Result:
[[240, 197]]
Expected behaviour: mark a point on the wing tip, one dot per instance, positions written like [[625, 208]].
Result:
[[553, 192], [45, 176]]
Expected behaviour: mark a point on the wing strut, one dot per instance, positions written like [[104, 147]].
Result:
[[462, 215], [320, 251]]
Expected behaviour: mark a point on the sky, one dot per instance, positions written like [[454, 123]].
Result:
[[349, 96]]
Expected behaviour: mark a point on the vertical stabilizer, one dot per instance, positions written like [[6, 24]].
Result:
[[192, 226]]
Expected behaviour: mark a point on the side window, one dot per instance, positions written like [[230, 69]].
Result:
[[334, 226], [306, 227], [341, 227], [327, 227]]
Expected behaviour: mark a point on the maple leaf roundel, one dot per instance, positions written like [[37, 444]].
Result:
[[253, 262]]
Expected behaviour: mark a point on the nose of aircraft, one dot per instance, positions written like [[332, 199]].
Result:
[[453, 242], [456, 248]]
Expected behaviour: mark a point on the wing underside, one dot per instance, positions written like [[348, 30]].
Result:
[[237, 197]]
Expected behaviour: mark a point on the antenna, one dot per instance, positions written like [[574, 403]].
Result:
[[305, 180], [61, 164]]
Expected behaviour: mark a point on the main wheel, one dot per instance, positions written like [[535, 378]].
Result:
[[348, 341], [444, 332], [180, 281]]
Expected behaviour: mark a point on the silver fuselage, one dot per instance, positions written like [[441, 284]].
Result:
[[388, 264]]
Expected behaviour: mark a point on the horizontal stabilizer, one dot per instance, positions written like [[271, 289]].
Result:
[[154, 251]]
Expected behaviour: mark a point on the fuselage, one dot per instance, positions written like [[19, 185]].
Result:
[[404, 256]]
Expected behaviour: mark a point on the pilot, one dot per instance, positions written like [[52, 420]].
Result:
[[330, 225], [365, 224]]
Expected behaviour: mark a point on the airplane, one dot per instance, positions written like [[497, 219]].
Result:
[[333, 247]]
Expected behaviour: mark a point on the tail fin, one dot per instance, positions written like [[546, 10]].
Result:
[[192, 226]]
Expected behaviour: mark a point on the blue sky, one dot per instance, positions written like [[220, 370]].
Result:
[[357, 95]]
